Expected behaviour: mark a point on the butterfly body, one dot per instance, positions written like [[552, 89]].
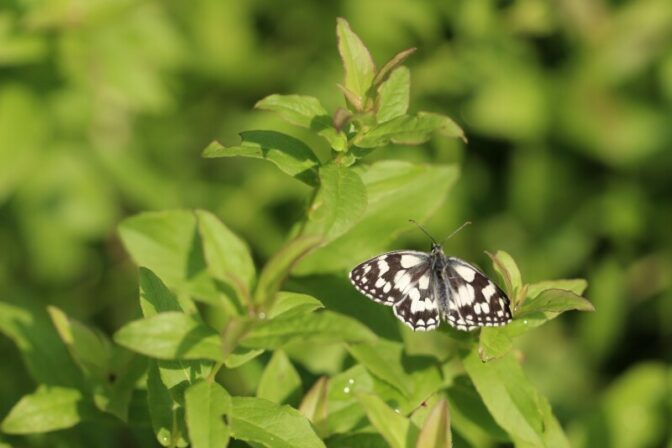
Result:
[[425, 288]]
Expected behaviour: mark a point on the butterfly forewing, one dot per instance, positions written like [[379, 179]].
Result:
[[401, 279], [475, 301]]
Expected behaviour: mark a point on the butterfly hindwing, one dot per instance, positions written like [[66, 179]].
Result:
[[474, 300]]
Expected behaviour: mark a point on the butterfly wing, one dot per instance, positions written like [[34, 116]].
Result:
[[402, 279], [474, 300]]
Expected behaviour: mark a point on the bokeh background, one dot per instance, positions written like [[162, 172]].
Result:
[[106, 106]]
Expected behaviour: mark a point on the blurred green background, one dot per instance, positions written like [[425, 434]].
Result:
[[106, 106]]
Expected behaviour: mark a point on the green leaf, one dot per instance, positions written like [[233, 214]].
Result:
[[513, 402], [259, 421], [280, 382], [46, 356], [278, 267], [208, 406], [575, 285], [228, 256], [382, 359], [167, 419], [300, 110], [390, 65], [339, 203], [89, 349], [357, 62], [168, 243], [409, 130], [292, 303], [322, 326], [493, 343], [508, 270], [47, 409], [171, 335], [155, 297], [397, 430], [289, 154], [435, 433], [314, 404], [396, 191], [394, 95], [555, 301], [305, 111]]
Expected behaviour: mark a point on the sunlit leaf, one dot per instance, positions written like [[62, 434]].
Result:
[[207, 406], [289, 154], [171, 335], [556, 301], [397, 430], [357, 62], [410, 130], [394, 95], [436, 433], [259, 421]]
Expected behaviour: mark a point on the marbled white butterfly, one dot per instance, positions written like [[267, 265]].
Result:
[[423, 288]]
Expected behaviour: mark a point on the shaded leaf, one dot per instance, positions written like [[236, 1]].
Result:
[[394, 95], [323, 326], [289, 154], [382, 359], [280, 382], [168, 243], [171, 335], [43, 351], [259, 421], [357, 62], [208, 406], [47, 409], [168, 425], [278, 267], [397, 430], [339, 203]]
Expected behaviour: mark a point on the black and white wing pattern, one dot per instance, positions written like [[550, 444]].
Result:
[[424, 287], [403, 280], [473, 299]]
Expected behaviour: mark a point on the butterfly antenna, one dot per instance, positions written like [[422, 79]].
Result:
[[466, 223], [423, 230]]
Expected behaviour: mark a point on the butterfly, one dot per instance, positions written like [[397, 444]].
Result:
[[423, 288]]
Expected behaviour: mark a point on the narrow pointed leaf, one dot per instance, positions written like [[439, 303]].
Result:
[[575, 285], [314, 403], [393, 63], [167, 423], [436, 433], [508, 270], [397, 430], [357, 62]]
